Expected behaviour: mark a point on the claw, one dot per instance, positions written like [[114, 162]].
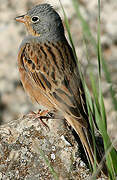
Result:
[[39, 115]]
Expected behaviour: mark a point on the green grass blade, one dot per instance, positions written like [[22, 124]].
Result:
[[108, 78], [98, 108], [107, 142], [88, 34], [46, 160], [85, 26], [99, 44], [94, 89], [49, 165], [68, 30], [102, 107], [99, 53], [91, 113]]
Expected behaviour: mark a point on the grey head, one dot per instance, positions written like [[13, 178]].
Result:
[[46, 22]]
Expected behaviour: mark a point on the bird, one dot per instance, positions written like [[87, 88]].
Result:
[[49, 71]]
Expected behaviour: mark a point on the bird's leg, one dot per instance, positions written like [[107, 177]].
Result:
[[40, 115]]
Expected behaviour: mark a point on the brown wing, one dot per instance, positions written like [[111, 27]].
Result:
[[52, 69]]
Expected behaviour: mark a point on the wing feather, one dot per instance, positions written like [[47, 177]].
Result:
[[52, 68]]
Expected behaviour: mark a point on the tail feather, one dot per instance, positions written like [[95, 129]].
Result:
[[87, 142]]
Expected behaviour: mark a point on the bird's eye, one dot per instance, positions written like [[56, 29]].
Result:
[[35, 19]]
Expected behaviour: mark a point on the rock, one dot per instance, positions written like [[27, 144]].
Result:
[[29, 150]]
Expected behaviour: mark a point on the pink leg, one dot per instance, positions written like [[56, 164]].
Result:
[[39, 115]]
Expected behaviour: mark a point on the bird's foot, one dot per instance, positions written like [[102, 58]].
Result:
[[40, 115]]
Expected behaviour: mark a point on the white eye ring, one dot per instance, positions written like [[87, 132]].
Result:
[[35, 19]]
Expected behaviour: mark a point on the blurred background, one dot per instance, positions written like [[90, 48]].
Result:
[[13, 100]]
